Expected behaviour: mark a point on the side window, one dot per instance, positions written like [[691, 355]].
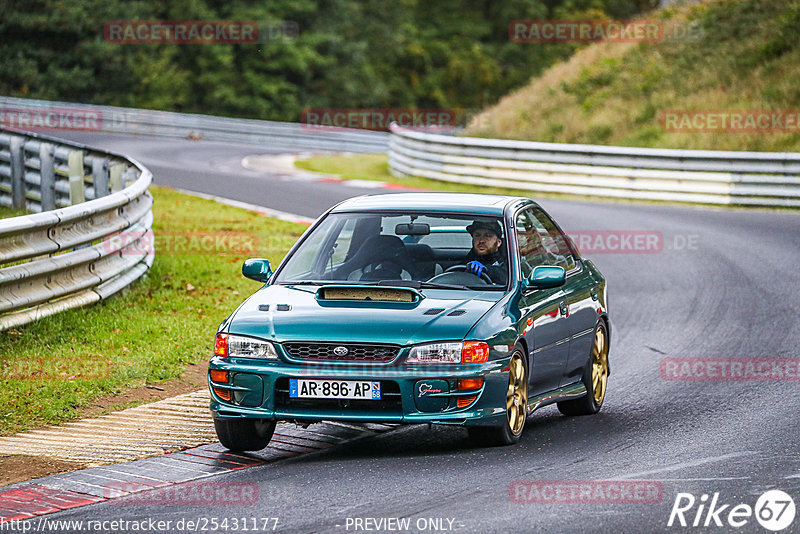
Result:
[[540, 242], [529, 242], [555, 243]]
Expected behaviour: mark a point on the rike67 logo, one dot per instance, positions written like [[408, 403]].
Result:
[[774, 510]]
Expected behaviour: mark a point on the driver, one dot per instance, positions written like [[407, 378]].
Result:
[[485, 256]]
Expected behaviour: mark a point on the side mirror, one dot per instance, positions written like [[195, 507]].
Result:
[[257, 269], [546, 276]]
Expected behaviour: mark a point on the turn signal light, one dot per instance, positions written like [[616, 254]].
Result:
[[470, 384], [224, 394], [474, 352], [219, 376], [221, 345], [463, 402]]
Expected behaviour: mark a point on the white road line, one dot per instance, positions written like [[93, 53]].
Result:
[[684, 465], [269, 212]]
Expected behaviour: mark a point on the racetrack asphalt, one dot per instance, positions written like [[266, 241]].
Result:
[[723, 284]]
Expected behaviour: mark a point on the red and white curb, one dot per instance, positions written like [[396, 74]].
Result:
[[283, 165], [54, 493], [163, 426]]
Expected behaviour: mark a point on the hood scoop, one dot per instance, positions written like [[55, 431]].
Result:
[[368, 294]]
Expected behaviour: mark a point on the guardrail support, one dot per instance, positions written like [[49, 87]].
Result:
[[100, 177], [48, 174], [17, 172], [115, 177], [75, 161]]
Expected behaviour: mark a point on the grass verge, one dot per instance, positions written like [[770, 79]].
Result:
[[51, 370]]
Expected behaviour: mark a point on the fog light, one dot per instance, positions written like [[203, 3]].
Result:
[[463, 402], [224, 394], [219, 376], [470, 384]]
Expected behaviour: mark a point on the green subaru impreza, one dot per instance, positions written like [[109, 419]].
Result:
[[444, 308]]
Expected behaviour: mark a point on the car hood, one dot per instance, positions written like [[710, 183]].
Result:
[[296, 314]]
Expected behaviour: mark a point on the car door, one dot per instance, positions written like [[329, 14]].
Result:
[[578, 297], [544, 319]]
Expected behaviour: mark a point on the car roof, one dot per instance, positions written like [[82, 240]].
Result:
[[470, 203]]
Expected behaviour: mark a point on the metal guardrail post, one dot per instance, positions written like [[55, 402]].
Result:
[[76, 193], [115, 177], [48, 174], [100, 177], [17, 172]]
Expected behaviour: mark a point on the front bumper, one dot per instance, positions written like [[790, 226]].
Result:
[[259, 389]]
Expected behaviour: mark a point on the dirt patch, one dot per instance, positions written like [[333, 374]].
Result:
[[19, 468], [192, 379]]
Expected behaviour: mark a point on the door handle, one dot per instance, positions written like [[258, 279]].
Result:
[[563, 309]]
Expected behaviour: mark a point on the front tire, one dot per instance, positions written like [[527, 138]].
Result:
[[241, 435], [516, 408], [595, 378]]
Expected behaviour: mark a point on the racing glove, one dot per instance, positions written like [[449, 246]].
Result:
[[475, 267]]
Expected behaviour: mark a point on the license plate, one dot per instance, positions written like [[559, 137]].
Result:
[[301, 388]]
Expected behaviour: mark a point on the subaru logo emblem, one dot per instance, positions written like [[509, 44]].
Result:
[[340, 351]]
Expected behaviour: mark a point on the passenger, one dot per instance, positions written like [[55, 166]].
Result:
[[486, 256]]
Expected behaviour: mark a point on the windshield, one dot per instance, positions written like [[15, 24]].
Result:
[[411, 249]]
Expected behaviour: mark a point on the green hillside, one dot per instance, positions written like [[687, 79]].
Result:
[[728, 56]]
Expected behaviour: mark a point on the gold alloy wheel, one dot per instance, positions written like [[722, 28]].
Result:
[[599, 365], [517, 396]]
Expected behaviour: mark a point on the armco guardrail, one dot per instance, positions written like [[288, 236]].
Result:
[[89, 237], [40, 114], [713, 177]]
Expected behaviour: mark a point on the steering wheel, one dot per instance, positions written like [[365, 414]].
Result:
[[483, 276]]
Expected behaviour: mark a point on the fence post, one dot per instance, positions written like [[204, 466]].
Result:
[[75, 162], [47, 171], [115, 177], [100, 177], [17, 172]]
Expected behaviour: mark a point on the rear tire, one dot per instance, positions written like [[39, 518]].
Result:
[[241, 435], [516, 408], [595, 378]]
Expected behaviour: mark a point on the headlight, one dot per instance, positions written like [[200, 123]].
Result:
[[436, 353], [232, 346], [453, 352]]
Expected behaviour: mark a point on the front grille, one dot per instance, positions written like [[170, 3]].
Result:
[[390, 402], [356, 352]]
